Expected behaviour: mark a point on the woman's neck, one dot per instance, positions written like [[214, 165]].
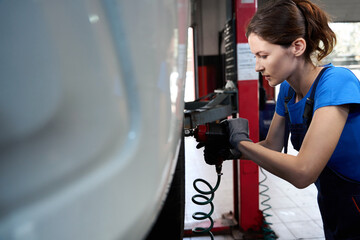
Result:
[[302, 79]]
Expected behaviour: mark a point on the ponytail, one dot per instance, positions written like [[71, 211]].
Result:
[[320, 38], [283, 21]]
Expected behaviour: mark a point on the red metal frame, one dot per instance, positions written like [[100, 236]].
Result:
[[206, 80], [245, 172], [246, 177]]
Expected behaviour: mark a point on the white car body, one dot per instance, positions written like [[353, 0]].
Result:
[[91, 110]]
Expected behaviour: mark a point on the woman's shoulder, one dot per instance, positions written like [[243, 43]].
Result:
[[337, 86], [335, 77], [343, 72]]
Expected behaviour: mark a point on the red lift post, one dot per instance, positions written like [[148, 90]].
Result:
[[246, 173]]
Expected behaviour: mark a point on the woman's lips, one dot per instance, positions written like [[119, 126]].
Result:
[[267, 77]]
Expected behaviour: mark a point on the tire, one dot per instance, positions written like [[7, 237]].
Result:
[[170, 222]]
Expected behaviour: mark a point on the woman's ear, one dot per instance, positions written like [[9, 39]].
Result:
[[298, 46]]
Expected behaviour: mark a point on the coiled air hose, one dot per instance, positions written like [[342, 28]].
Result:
[[203, 199], [268, 232]]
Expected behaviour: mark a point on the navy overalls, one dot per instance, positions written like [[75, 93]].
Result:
[[338, 196]]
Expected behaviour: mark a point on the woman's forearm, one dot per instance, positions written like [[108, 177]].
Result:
[[282, 165], [267, 144]]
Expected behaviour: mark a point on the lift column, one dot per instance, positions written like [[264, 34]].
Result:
[[246, 174]]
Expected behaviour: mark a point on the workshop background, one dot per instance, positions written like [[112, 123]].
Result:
[[97, 142], [291, 212]]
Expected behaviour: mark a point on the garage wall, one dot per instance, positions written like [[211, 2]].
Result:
[[209, 19], [339, 10]]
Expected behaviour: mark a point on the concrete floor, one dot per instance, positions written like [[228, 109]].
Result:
[[294, 212]]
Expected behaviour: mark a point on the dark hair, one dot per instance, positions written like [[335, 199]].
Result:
[[283, 21]]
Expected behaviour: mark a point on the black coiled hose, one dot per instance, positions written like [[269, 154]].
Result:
[[269, 234], [205, 200]]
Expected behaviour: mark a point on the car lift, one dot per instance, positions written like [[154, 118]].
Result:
[[223, 103]]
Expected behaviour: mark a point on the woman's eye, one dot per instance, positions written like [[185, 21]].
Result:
[[261, 56]]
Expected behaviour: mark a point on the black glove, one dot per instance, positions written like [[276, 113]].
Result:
[[238, 129], [221, 147], [217, 152], [214, 153]]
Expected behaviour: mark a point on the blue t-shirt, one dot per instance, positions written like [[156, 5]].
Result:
[[337, 86]]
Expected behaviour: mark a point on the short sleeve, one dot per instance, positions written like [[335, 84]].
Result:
[[280, 103], [338, 86]]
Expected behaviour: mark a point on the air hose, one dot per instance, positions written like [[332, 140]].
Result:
[[268, 232], [203, 199]]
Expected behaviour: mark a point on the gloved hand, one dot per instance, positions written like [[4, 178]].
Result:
[[238, 129], [217, 152]]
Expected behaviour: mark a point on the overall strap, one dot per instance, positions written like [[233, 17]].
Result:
[[290, 94], [308, 111], [309, 105]]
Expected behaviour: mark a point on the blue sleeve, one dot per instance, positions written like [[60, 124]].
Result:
[[280, 103], [338, 86]]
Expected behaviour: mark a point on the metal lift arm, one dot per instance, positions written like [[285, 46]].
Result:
[[222, 104]]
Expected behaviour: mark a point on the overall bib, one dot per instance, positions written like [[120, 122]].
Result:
[[338, 196]]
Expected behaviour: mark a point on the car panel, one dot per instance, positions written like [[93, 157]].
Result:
[[95, 93]]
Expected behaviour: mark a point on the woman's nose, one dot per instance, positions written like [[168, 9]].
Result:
[[258, 66]]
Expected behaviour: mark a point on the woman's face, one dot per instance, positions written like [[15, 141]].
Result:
[[275, 62]]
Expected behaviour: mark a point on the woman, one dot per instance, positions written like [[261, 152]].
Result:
[[288, 39]]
